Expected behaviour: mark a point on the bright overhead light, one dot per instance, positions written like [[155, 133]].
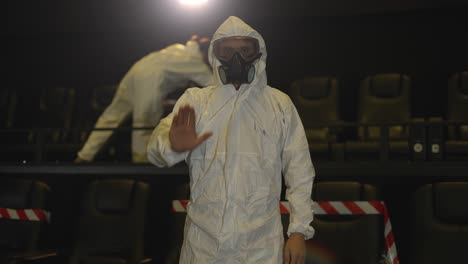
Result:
[[192, 2]]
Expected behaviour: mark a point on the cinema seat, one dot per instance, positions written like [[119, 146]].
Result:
[[19, 112], [172, 97], [346, 239], [112, 223], [21, 237], [56, 113], [7, 108], [383, 98], [98, 99], [182, 192], [316, 100], [456, 146], [439, 223]]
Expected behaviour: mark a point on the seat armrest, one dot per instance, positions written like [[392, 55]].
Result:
[[417, 119], [337, 130], [33, 256], [435, 119], [418, 139]]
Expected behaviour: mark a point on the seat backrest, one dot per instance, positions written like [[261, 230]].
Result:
[[7, 108], [182, 192], [18, 110], [316, 100], [112, 221], [347, 239], [457, 107], [384, 98], [440, 223], [21, 235], [56, 105], [172, 97], [23, 107], [101, 98]]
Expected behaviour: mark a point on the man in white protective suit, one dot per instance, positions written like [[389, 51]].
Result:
[[238, 137], [142, 91]]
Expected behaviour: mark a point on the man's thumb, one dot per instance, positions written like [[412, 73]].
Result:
[[204, 137]]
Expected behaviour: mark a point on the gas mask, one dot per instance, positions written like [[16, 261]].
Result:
[[237, 56], [237, 70]]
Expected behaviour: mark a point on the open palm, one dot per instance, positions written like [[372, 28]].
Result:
[[182, 134]]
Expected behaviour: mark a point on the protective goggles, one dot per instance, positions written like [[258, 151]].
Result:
[[247, 47]]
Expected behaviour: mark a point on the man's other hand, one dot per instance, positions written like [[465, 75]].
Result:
[[294, 250], [182, 134]]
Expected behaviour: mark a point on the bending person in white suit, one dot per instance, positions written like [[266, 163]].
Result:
[[142, 91]]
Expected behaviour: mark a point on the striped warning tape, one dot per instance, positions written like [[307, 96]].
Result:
[[25, 214], [337, 208]]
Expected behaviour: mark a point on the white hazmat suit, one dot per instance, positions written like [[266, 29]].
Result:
[[235, 176], [142, 91]]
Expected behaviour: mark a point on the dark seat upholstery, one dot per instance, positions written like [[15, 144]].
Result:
[[94, 103], [98, 99], [101, 97], [316, 100], [56, 112], [172, 97], [19, 236], [19, 110], [7, 108], [8, 104], [177, 226], [383, 98], [346, 239], [112, 223], [456, 146], [440, 223]]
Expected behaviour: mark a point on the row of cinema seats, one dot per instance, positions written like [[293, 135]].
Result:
[[54, 126], [25, 113], [385, 125], [111, 225], [110, 228], [384, 99]]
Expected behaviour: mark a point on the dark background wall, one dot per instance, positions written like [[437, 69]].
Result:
[[86, 43]]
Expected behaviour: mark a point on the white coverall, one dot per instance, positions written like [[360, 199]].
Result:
[[235, 176], [142, 92]]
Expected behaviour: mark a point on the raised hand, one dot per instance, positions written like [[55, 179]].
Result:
[[182, 134]]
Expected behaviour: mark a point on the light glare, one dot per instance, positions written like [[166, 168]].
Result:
[[192, 2]]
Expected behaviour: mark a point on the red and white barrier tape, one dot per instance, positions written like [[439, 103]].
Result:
[[337, 208], [25, 214]]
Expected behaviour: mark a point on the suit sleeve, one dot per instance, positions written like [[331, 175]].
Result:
[[159, 149], [298, 173]]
